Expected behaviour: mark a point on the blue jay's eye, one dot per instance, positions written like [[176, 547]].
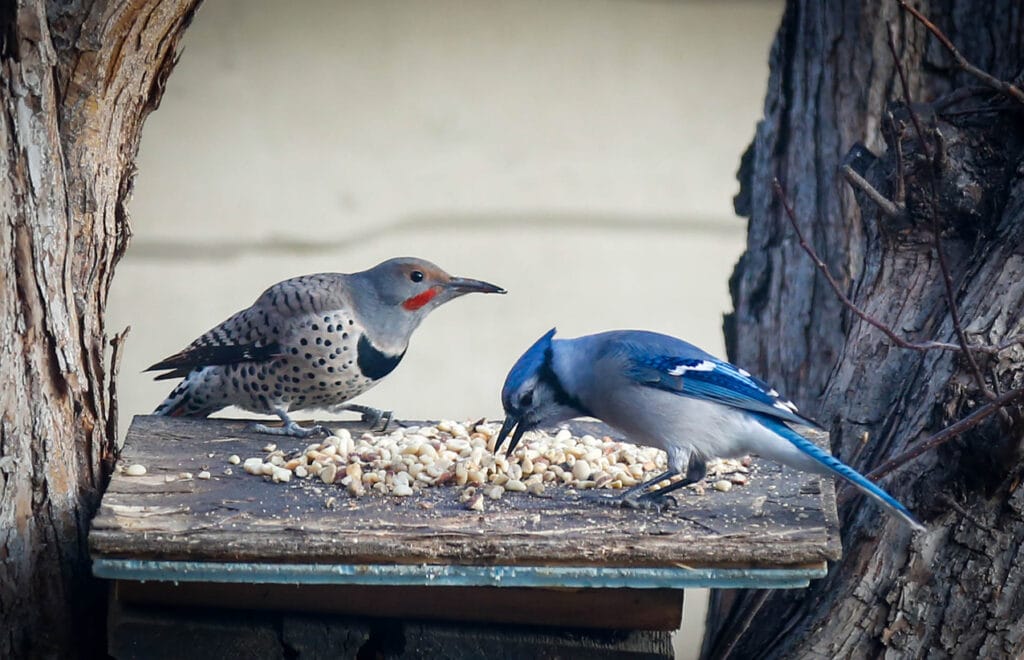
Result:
[[416, 276], [526, 400]]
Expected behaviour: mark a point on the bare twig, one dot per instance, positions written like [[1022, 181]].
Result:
[[1012, 341], [864, 316], [947, 277], [947, 434], [1002, 86], [117, 349], [889, 208], [849, 304]]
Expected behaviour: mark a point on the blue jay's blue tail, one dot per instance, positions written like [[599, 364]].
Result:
[[837, 467]]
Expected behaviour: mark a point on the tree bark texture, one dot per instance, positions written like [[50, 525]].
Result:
[[955, 590], [77, 79]]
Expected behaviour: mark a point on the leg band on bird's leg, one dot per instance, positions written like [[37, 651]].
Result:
[[291, 427]]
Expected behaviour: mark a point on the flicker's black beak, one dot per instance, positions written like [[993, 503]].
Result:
[[506, 428], [461, 285]]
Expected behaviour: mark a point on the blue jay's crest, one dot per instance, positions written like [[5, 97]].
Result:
[[530, 364]]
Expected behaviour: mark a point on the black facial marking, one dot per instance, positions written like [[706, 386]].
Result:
[[562, 397], [375, 364]]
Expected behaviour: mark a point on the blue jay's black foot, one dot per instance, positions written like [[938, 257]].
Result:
[[377, 420], [291, 428], [631, 500], [646, 496], [654, 501]]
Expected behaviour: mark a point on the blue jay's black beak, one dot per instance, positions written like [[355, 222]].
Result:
[[506, 428], [462, 285]]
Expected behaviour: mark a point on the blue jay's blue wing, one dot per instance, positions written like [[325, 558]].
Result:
[[674, 365]]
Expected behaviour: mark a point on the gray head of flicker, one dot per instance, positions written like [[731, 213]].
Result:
[[393, 297]]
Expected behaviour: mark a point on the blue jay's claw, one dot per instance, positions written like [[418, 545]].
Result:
[[653, 501]]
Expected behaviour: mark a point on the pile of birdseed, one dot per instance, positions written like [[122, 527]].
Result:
[[455, 454]]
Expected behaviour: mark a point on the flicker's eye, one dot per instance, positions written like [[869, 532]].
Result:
[[526, 399], [416, 276]]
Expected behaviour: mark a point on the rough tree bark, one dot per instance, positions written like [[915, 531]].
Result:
[[954, 591], [77, 79]]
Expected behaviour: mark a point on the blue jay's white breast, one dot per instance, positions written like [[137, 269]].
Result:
[[679, 425]]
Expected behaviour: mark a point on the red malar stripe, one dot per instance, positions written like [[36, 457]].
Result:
[[420, 299]]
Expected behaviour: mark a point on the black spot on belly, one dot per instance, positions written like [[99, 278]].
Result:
[[375, 364]]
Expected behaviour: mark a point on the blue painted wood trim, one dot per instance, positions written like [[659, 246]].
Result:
[[457, 576]]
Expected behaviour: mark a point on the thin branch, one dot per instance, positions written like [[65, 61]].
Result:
[[849, 304], [889, 208], [947, 277], [995, 83], [864, 316], [116, 352], [946, 434], [1012, 341]]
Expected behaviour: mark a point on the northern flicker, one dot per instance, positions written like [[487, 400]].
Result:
[[314, 341]]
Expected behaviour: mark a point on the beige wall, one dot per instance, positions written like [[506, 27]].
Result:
[[580, 153]]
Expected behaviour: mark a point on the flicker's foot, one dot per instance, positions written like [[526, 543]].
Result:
[[290, 429], [377, 420]]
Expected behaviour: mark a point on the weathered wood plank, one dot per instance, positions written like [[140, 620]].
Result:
[[781, 518]]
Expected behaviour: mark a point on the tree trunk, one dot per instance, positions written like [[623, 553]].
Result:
[[77, 79], [953, 591]]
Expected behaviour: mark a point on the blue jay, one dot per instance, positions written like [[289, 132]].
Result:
[[664, 392]]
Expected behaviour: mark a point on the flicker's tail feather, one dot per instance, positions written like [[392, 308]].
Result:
[[180, 403]]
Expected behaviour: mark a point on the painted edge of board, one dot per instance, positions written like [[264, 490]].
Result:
[[459, 576]]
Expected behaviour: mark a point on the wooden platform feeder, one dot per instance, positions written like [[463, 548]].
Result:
[[240, 542]]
